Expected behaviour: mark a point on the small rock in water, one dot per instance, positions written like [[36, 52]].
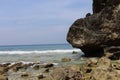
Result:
[[25, 74], [15, 67], [74, 52], [36, 67], [40, 76], [46, 70], [47, 65], [5, 64], [66, 59]]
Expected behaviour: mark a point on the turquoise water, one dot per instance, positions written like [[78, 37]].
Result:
[[37, 53], [35, 47]]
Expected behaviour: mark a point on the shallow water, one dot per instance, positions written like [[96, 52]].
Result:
[[37, 53]]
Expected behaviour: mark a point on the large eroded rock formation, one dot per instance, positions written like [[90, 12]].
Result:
[[99, 32]]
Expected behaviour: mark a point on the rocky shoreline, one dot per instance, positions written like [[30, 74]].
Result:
[[23, 71], [92, 69], [97, 35]]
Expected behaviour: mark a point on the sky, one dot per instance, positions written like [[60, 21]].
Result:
[[39, 21]]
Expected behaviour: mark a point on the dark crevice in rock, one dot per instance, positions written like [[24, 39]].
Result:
[[93, 52]]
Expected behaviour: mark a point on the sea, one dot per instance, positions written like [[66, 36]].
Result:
[[38, 53]]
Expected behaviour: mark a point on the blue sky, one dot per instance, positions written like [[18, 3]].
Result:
[[39, 21]]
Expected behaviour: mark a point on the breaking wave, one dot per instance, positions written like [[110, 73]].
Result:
[[40, 52]]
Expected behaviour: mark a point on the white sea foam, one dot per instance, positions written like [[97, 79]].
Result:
[[40, 52]]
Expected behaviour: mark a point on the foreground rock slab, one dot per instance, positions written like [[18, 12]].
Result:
[[103, 69], [65, 74], [93, 69]]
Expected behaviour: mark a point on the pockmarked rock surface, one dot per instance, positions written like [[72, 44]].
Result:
[[99, 32], [93, 69], [102, 69]]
